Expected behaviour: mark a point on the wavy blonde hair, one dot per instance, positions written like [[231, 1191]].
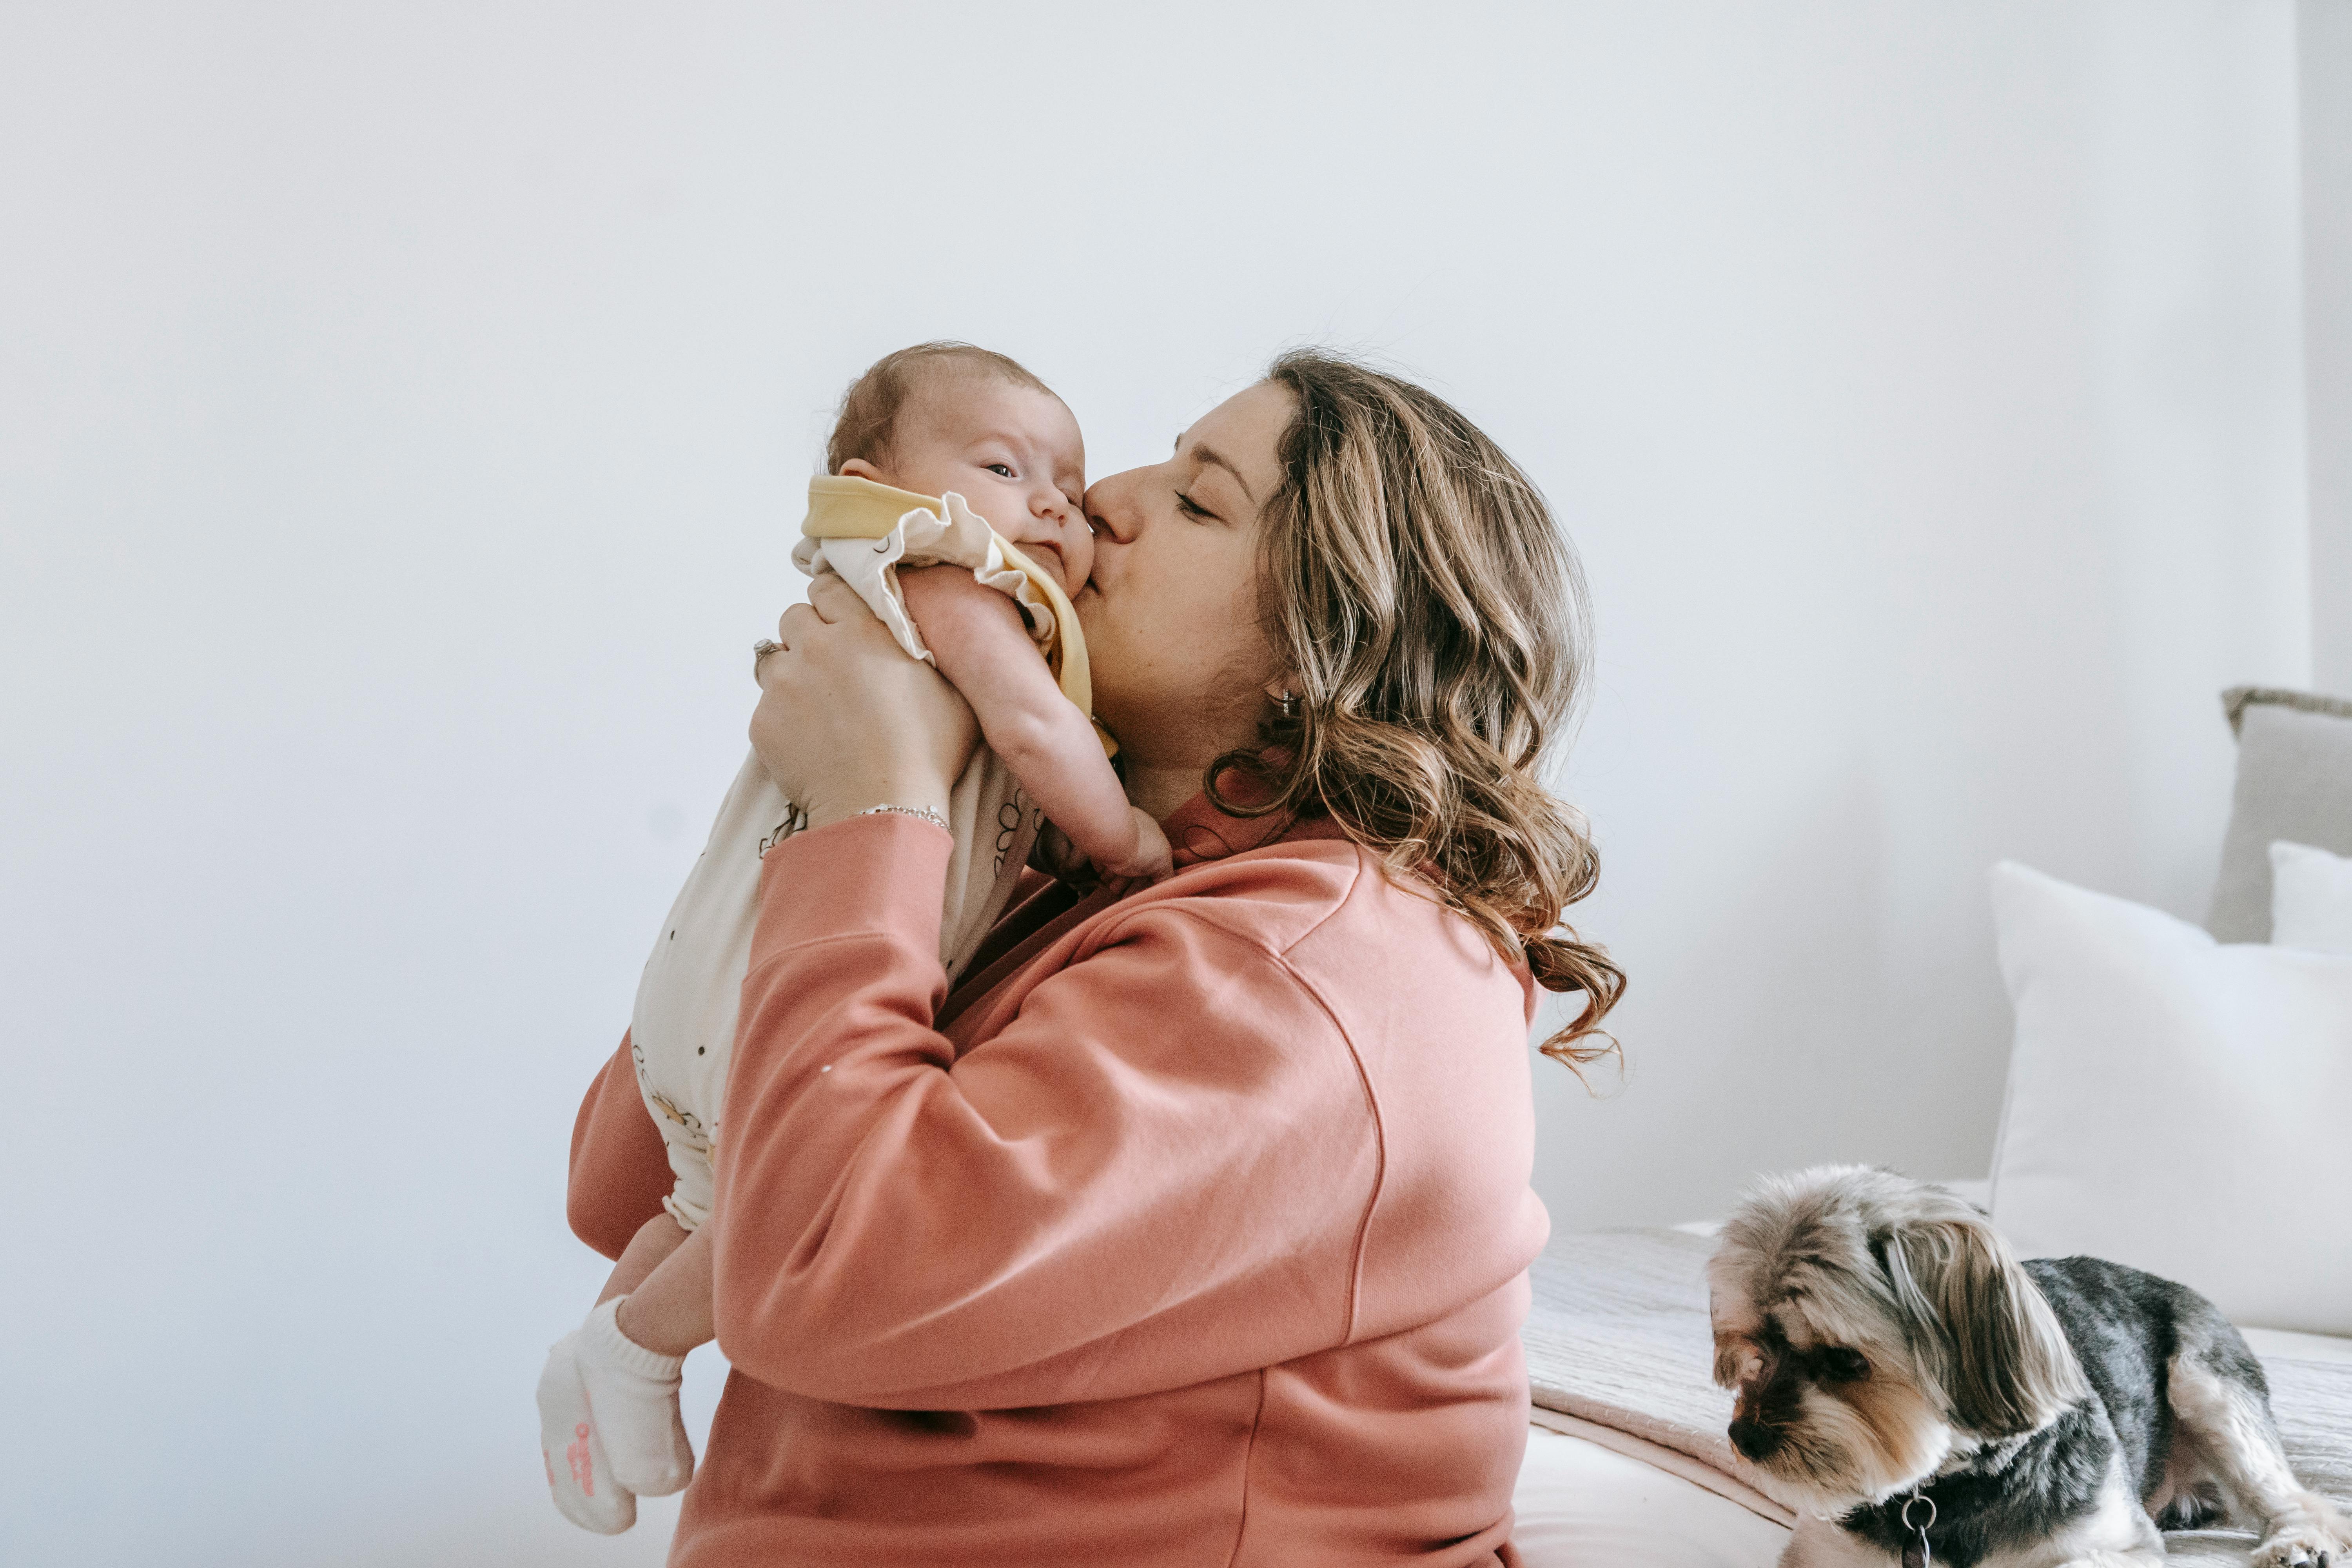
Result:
[[1434, 621]]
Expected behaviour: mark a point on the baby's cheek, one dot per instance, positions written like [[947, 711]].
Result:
[[1079, 558]]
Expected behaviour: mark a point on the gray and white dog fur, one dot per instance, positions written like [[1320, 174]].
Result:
[[1882, 1339]]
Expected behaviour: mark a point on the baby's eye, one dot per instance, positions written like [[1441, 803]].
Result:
[[1002, 470]]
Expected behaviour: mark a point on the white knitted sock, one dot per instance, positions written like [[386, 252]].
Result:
[[634, 1392], [577, 1473]]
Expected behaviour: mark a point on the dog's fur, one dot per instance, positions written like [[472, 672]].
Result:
[[1882, 1338]]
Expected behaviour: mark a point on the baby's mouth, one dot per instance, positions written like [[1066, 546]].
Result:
[[1047, 556]]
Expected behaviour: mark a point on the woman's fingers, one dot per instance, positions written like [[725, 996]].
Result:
[[834, 599], [797, 620], [832, 630], [831, 602]]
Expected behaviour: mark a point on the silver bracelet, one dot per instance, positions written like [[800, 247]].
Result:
[[924, 812]]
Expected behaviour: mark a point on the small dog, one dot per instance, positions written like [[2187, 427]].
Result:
[[1922, 1396]]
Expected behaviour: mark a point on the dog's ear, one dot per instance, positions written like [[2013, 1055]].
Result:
[[1731, 1357], [1722, 1287], [2006, 1365]]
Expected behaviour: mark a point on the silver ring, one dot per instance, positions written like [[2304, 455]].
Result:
[[760, 650], [1919, 1498]]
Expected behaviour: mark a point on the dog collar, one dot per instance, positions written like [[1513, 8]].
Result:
[[1917, 1554]]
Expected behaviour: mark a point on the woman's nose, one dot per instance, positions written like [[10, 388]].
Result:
[[1108, 507]]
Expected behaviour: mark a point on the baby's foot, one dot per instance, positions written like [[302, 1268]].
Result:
[[577, 1475], [634, 1393]]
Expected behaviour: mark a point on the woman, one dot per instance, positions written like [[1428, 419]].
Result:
[[1193, 1227]]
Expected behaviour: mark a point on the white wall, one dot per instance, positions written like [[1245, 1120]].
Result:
[[403, 412], [2324, 44], [1970, 472]]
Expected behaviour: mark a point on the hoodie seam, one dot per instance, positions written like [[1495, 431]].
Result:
[[1249, 1455]]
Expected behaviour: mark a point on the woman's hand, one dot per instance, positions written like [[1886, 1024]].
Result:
[[847, 720]]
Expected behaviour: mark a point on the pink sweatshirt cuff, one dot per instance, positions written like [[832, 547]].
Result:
[[884, 874]]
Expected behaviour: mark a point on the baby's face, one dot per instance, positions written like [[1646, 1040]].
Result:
[[1014, 452]]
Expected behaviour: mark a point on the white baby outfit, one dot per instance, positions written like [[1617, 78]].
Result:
[[682, 1033]]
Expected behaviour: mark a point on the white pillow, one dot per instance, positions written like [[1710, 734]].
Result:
[[2311, 898], [2176, 1104]]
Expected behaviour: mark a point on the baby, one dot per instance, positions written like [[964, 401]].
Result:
[[930, 442]]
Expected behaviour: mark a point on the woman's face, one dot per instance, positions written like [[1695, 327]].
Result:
[[1171, 614]]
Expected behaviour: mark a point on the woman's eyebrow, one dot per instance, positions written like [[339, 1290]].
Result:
[[1209, 456]]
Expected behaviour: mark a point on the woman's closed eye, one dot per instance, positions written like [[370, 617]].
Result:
[[1193, 509]]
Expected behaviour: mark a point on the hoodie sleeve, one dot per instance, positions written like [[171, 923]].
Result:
[[619, 1171], [1158, 1172]]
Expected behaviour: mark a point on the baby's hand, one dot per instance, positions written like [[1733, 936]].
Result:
[[1149, 860], [1056, 856]]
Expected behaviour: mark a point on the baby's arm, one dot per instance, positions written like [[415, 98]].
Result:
[[655, 1241], [669, 1311], [984, 648]]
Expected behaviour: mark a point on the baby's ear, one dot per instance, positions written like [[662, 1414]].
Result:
[[859, 468]]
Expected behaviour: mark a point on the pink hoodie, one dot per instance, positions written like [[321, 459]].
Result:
[[1192, 1229]]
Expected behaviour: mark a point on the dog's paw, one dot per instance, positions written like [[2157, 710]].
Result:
[[2301, 1547]]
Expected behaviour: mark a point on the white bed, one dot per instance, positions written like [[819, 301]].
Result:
[[1584, 1505], [1580, 1505]]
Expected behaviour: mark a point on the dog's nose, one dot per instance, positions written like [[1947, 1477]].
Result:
[[1752, 1438]]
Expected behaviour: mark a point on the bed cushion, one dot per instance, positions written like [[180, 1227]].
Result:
[[2311, 898], [1581, 1503], [2295, 782], [2176, 1104]]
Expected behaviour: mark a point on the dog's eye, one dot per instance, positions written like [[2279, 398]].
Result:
[[1843, 1365]]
